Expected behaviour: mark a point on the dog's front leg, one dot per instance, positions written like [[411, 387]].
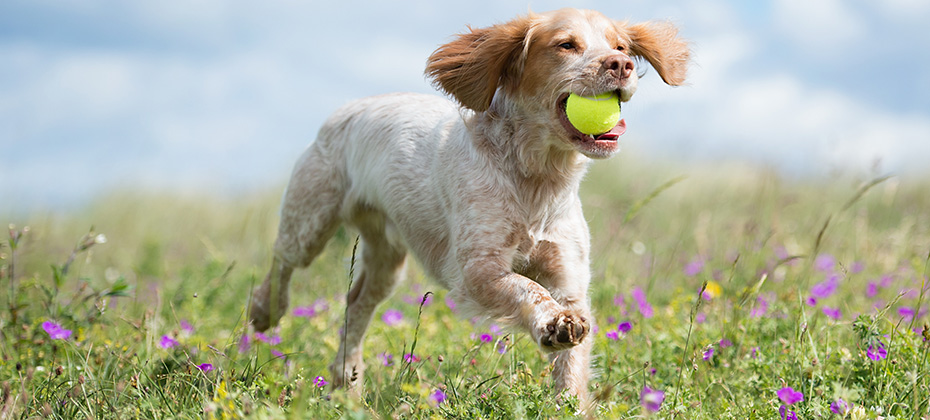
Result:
[[515, 299], [571, 367], [564, 271]]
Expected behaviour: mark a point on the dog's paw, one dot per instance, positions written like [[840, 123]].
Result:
[[564, 331], [349, 374], [259, 317]]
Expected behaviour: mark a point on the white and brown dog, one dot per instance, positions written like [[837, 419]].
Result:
[[483, 193]]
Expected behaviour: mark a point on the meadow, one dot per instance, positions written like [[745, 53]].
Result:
[[724, 292]]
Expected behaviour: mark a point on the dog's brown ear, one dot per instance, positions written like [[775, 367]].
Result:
[[659, 44], [476, 63]]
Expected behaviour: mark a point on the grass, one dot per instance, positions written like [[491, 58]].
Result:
[[724, 262]]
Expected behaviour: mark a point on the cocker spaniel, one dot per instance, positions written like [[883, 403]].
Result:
[[482, 192]]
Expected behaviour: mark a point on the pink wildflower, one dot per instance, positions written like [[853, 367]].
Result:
[[55, 331]]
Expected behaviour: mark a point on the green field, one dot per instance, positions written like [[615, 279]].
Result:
[[819, 286]]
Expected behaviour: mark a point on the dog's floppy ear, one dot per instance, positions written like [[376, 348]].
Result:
[[659, 44], [476, 63]]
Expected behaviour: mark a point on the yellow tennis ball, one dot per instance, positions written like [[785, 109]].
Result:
[[593, 114]]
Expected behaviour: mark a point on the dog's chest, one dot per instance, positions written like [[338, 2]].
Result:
[[525, 243]]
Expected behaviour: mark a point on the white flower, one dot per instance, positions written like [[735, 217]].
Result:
[[858, 413]]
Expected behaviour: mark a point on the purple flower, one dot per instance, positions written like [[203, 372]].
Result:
[[494, 329], [613, 335], [437, 397], [411, 358], [450, 303], [620, 302], [651, 399], [501, 347], [856, 267], [724, 343], [877, 352], [839, 407], [205, 367], [273, 340], [811, 301], [694, 267], [789, 396], [644, 307], [486, 338], [167, 342], [277, 354], [305, 311], [55, 331], [754, 352], [762, 306], [392, 317], [708, 353], [787, 414], [833, 313], [825, 262], [387, 359], [700, 317], [244, 343], [887, 280], [187, 327], [871, 290], [906, 313], [625, 327], [825, 288], [781, 252], [320, 381]]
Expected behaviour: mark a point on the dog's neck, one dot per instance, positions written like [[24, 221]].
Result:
[[523, 141]]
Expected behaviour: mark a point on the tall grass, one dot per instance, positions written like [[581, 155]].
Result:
[[756, 284]]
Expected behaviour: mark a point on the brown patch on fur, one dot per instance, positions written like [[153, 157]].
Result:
[[471, 67], [545, 263]]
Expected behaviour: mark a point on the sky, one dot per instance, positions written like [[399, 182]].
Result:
[[222, 96]]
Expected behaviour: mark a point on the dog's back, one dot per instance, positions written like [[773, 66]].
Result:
[[381, 160]]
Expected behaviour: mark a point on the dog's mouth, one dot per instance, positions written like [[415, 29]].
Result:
[[595, 146]]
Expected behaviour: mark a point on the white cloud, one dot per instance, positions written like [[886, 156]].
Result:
[[903, 9], [821, 27], [781, 120]]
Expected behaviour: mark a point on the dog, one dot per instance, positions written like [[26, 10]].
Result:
[[483, 191]]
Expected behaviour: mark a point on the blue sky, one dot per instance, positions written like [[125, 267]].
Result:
[[223, 95]]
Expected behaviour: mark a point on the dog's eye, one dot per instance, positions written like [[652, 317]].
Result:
[[567, 46], [621, 48]]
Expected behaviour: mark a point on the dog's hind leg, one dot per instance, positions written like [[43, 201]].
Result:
[[266, 310], [382, 268], [309, 218]]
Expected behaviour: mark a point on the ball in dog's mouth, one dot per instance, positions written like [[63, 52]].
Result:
[[600, 144]]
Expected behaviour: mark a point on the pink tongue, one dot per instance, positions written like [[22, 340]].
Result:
[[614, 133]]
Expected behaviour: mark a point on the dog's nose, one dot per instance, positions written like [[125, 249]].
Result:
[[619, 65]]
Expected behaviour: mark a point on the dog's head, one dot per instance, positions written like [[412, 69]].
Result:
[[536, 61]]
